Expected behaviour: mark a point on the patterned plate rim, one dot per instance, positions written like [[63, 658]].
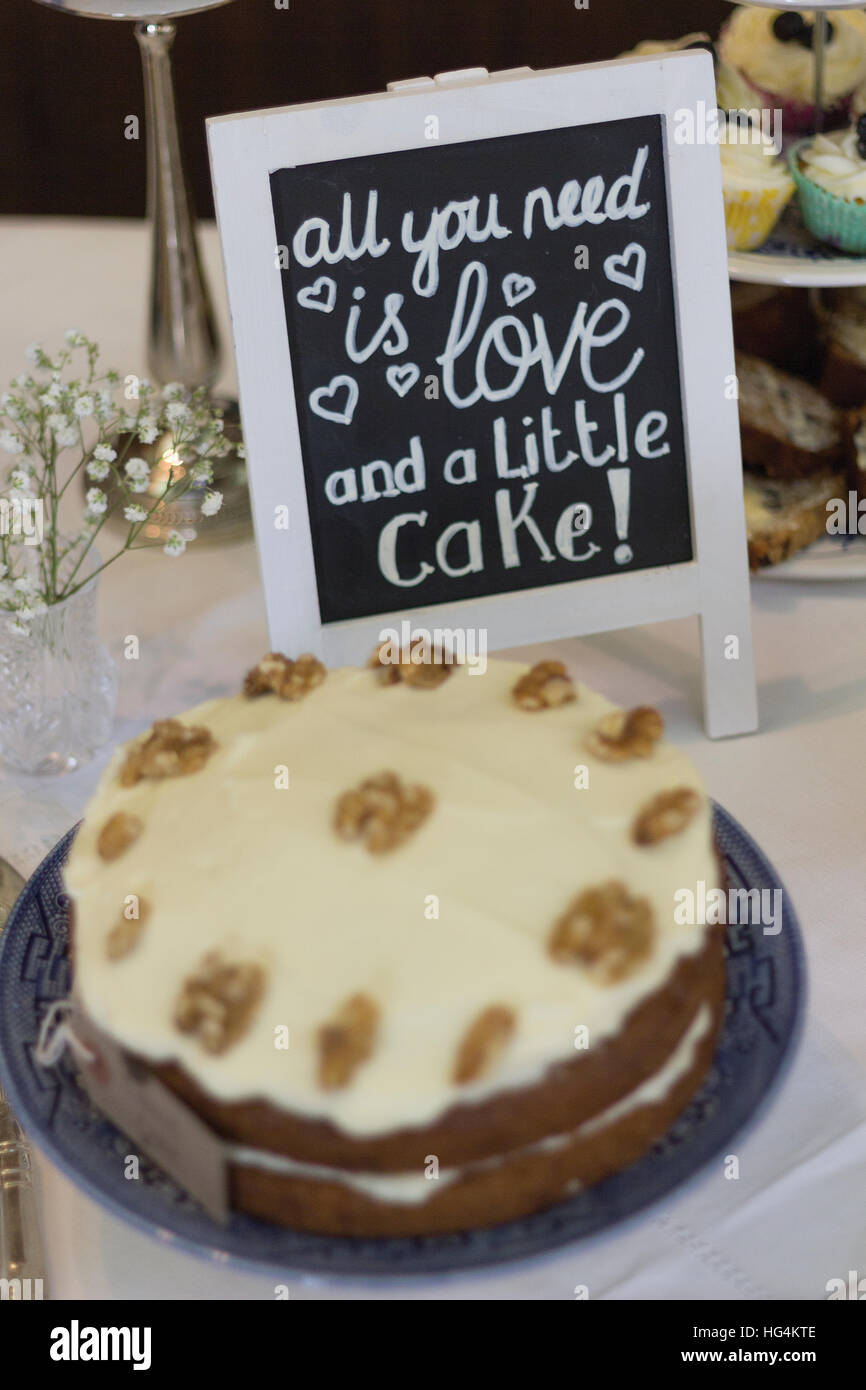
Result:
[[393, 1258]]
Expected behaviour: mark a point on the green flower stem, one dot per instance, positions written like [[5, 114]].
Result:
[[66, 592]]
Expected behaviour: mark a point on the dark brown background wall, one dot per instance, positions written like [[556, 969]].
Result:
[[66, 83]]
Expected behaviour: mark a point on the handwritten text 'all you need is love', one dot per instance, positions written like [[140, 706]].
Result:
[[486, 353]]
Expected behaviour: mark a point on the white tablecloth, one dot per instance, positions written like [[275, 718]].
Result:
[[796, 1217]]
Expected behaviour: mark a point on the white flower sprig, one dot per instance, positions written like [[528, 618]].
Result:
[[63, 417]]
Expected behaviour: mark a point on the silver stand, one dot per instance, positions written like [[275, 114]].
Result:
[[183, 344], [182, 340]]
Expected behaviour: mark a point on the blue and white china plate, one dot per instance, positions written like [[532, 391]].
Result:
[[765, 1000], [791, 256]]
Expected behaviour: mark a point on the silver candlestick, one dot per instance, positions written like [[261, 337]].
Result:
[[182, 339]]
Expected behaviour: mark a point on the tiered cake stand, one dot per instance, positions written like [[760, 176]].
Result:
[[791, 256]]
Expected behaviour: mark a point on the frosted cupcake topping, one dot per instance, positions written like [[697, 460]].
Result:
[[835, 163], [749, 163], [650, 47], [788, 69]]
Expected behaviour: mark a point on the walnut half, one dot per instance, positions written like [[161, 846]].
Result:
[[483, 1043], [382, 811], [346, 1041], [624, 734], [119, 832], [279, 675], [605, 930], [420, 665], [217, 1003], [171, 749], [545, 686], [667, 814]]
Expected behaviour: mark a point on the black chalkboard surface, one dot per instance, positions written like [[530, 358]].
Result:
[[484, 348]]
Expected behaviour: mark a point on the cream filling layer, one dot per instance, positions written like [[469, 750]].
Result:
[[412, 1189], [453, 921]]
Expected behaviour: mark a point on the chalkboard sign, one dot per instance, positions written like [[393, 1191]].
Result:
[[484, 352]]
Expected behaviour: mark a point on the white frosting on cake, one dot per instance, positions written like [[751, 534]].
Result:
[[227, 861], [411, 1189]]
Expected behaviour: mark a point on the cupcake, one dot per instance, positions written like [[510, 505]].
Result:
[[830, 173], [755, 183], [733, 92], [649, 47], [773, 51]]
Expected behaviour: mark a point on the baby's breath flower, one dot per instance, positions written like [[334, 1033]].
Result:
[[174, 544], [97, 502], [240, 450], [30, 610], [136, 469], [53, 410], [211, 503], [11, 443]]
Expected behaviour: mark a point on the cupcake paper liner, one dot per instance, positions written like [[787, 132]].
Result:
[[798, 117], [751, 216], [840, 222]]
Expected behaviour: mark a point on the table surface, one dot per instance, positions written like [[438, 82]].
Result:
[[795, 1217]]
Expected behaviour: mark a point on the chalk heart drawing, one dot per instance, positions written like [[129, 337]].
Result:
[[616, 267], [321, 295], [337, 384], [402, 377], [516, 288]]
